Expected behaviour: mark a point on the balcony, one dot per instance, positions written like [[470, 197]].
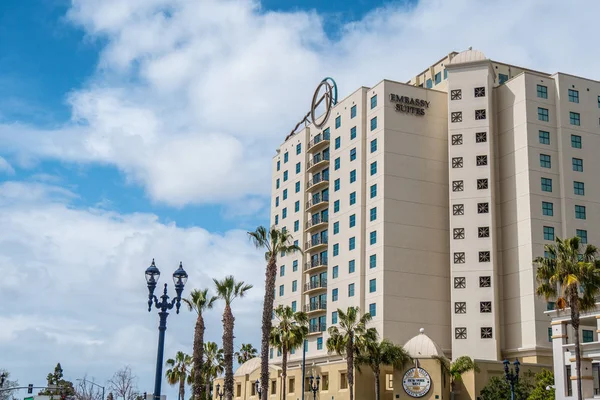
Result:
[[317, 202], [316, 221], [317, 182], [315, 285], [314, 244], [316, 264], [316, 328], [316, 306], [317, 161], [318, 142]]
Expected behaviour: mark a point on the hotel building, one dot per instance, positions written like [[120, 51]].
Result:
[[425, 202]]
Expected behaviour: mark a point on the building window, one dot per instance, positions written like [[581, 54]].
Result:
[[481, 137], [297, 187], [334, 272], [482, 184], [351, 266], [373, 123], [336, 185], [485, 281], [294, 306], [542, 92], [481, 161], [458, 209], [457, 140], [543, 114], [546, 185], [428, 83], [372, 261], [582, 233], [271, 353], [284, 213], [282, 270], [460, 307], [291, 383], [285, 194], [576, 141], [484, 256], [460, 333], [281, 289], [343, 381], [547, 209], [457, 186], [550, 306], [457, 162], [373, 145], [353, 133], [373, 102], [577, 164], [460, 282], [286, 157], [456, 94], [544, 137], [352, 198], [352, 220], [351, 290], [277, 201], [459, 233], [336, 249], [373, 309], [277, 184], [352, 243], [334, 295], [353, 176], [338, 121], [587, 336], [373, 190], [373, 168], [545, 161], [438, 78], [483, 232], [574, 118], [336, 206], [336, 164], [483, 208], [446, 77], [278, 165], [297, 206], [550, 334], [573, 96], [336, 228], [298, 168], [548, 233], [459, 258], [579, 188], [338, 142], [485, 307], [334, 317], [480, 114], [353, 112], [353, 154], [294, 286], [373, 237], [486, 333], [502, 78], [295, 266], [372, 285], [580, 212], [456, 116], [373, 214], [480, 91]]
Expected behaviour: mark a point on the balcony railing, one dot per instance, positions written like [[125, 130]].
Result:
[[318, 284], [321, 137], [317, 200], [315, 328], [316, 220], [315, 242], [316, 306], [317, 159], [317, 179], [317, 262]]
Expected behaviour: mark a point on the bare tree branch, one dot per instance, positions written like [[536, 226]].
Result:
[[124, 384], [87, 391]]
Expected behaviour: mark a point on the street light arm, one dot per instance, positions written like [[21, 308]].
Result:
[[93, 383]]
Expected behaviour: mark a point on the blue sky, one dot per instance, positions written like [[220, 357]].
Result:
[[132, 130]]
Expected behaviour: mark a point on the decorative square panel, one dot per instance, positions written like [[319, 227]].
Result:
[[457, 139], [458, 209], [456, 94], [481, 137], [485, 281], [482, 184], [458, 186], [485, 306], [459, 233], [456, 116], [483, 231], [457, 162], [480, 92], [479, 114], [481, 160], [484, 256], [483, 208], [460, 282], [486, 333], [460, 333], [460, 307], [459, 258]]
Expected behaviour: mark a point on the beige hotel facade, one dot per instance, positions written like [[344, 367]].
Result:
[[425, 203]]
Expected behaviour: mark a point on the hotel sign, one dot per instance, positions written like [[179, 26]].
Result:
[[409, 105], [416, 382], [326, 94]]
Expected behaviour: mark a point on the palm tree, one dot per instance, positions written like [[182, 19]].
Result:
[[247, 351], [199, 301], [179, 372], [228, 290], [213, 365], [274, 242], [570, 274], [375, 354], [456, 369], [349, 338], [288, 334]]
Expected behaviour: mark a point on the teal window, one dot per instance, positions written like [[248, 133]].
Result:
[[546, 185], [576, 141], [297, 168], [351, 266], [573, 96], [295, 244], [352, 222], [548, 233], [336, 206], [373, 123], [336, 164], [549, 334], [373, 168], [353, 176], [428, 84], [543, 114], [335, 272], [284, 213], [294, 286], [372, 260], [587, 336], [281, 290], [373, 190], [574, 118], [373, 237], [438, 78], [338, 121], [295, 266], [277, 201], [297, 206], [292, 350], [445, 74], [352, 112], [577, 164], [353, 133], [373, 145], [286, 157], [372, 309], [542, 91], [285, 176], [299, 148], [582, 233], [285, 194], [294, 306], [352, 243], [282, 270], [373, 214], [550, 306], [338, 142], [271, 353], [502, 78], [544, 137], [351, 290], [334, 317], [336, 185], [296, 226], [276, 219], [352, 198], [336, 249], [297, 186], [372, 285], [353, 154], [545, 161], [334, 295], [336, 228], [319, 343], [580, 212], [278, 165], [277, 183], [306, 345], [579, 188], [547, 208], [373, 102]]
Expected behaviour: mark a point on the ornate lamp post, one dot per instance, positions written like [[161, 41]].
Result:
[[314, 387], [258, 389], [512, 377], [220, 393], [179, 279]]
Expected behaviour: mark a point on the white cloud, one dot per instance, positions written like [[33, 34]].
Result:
[[5, 167]]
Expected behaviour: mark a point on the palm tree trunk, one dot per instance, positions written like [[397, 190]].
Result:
[[452, 390], [207, 388], [377, 389], [228, 322], [350, 364], [284, 371], [182, 388], [575, 324], [198, 357], [271, 273]]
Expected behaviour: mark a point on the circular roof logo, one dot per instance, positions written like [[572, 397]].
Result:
[[326, 92], [416, 382]]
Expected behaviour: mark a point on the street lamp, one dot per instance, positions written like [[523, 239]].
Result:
[[258, 389], [2, 378], [512, 377], [95, 384], [314, 388], [220, 393], [179, 279]]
